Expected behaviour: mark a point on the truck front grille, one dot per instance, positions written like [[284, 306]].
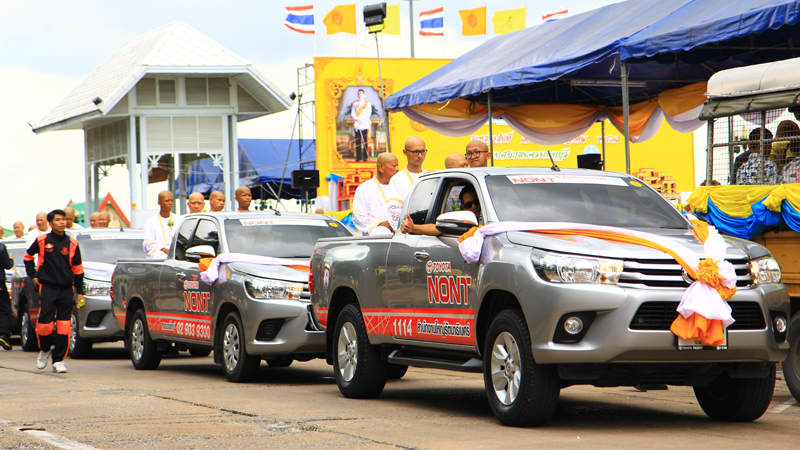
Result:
[[667, 274], [658, 316]]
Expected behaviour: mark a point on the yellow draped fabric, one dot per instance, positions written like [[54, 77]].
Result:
[[554, 119], [735, 201], [788, 192]]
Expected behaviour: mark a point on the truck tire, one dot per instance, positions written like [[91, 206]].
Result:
[[27, 332], [239, 367], [199, 352], [396, 371], [791, 365], [521, 393], [357, 365], [736, 400], [79, 348], [144, 353]]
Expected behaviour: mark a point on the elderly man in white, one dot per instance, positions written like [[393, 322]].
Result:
[[159, 229], [374, 208]]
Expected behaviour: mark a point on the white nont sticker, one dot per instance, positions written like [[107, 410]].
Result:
[[279, 221]]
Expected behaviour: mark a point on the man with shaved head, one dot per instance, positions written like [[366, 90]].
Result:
[[372, 212], [159, 229], [70, 218], [103, 219], [42, 227], [94, 220], [401, 184], [19, 229], [217, 201], [455, 161], [477, 154], [243, 197], [196, 202]]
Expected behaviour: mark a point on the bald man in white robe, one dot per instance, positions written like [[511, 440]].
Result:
[[372, 212]]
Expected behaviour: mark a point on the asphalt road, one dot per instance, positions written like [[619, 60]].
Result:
[[187, 403]]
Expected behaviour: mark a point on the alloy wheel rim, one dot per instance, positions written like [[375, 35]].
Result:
[[231, 347], [73, 333], [23, 332], [347, 349], [506, 368], [137, 340]]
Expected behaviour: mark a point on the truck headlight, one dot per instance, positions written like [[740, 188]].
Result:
[[561, 268], [96, 288], [765, 270], [264, 289]]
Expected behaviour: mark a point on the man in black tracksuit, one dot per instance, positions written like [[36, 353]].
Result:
[[5, 302], [58, 269]]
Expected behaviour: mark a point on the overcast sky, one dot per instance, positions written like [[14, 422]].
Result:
[[49, 46]]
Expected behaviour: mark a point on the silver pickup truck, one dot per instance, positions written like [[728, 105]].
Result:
[[252, 312], [541, 312]]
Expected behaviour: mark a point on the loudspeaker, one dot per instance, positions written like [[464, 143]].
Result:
[[590, 161], [305, 179]]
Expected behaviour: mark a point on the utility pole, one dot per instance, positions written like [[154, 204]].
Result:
[[411, 22]]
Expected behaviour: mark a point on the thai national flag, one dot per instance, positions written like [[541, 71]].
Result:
[[300, 19], [555, 16], [431, 22]]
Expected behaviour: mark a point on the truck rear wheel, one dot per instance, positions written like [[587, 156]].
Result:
[[791, 365], [144, 353], [27, 332], [239, 367], [79, 348], [736, 400], [360, 372], [521, 393]]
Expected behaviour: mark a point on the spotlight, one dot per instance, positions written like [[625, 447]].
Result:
[[373, 17], [292, 96], [97, 101]]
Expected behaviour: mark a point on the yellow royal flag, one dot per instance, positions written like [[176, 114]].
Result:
[[391, 24], [341, 19], [508, 21], [473, 21]]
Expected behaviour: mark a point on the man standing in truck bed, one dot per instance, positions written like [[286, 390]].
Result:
[[57, 271]]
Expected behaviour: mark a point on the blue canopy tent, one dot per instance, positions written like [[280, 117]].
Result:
[[261, 168], [613, 56]]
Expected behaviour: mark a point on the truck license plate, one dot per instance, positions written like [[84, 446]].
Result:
[[694, 344]]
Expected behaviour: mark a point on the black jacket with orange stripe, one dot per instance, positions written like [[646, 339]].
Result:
[[58, 262]]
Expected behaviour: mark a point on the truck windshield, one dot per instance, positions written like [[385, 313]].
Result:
[[109, 248], [279, 238], [602, 200]]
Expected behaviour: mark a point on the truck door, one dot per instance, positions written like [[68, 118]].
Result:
[[448, 284]]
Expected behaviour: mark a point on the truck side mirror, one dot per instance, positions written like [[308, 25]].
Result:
[[456, 222], [197, 252]]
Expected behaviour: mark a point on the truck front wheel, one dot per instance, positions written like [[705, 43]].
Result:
[[144, 353], [27, 331], [521, 393], [736, 400], [79, 348], [239, 367], [791, 365], [360, 372]]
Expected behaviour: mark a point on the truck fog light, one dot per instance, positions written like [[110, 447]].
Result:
[[780, 324], [573, 325]]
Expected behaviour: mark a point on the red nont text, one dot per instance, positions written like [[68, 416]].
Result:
[[448, 289], [196, 301]]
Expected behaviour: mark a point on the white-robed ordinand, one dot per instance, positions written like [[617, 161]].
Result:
[[373, 204], [157, 234], [400, 186]]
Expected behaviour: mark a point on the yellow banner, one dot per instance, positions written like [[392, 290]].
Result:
[[473, 21], [391, 25], [341, 19], [508, 21]]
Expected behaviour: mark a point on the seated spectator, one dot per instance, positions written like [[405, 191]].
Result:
[[750, 172], [785, 150]]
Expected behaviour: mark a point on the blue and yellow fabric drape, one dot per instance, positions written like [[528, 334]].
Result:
[[746, 211]]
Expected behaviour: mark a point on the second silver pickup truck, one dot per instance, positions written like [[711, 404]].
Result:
[[543, 312], [259, 311]]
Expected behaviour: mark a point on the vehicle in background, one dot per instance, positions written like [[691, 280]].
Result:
[[16, 248], [252, 312]]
